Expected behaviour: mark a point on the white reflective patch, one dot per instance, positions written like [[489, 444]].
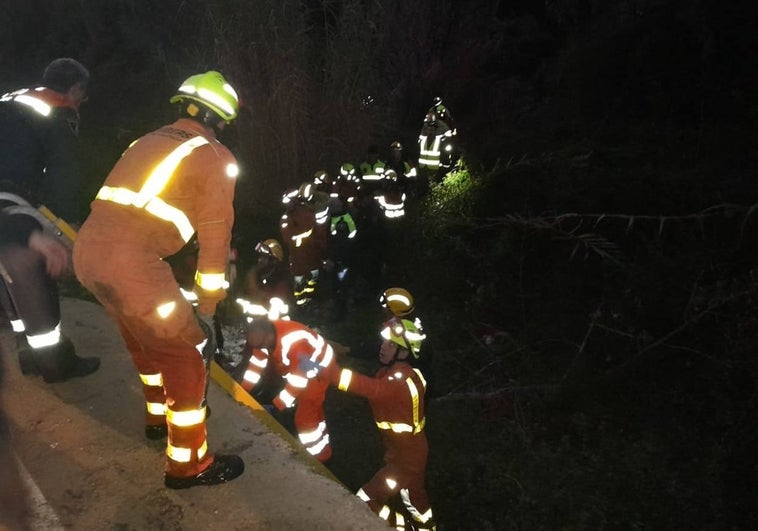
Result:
[[318, 448], [210, 281], [189, 296], [345, 376], [229, 90], [164, 310], [252, 377], [309, 437], [415, 513], [212, 97], [156, 408], [152, 380], [258, 362], [35, 103], [297, 381], [184, 419], [232, 170], [187, 89], [180, 455], [287, 398], [47, 339], [200, 346]]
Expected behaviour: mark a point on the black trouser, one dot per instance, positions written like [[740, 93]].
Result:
[[29, 293]]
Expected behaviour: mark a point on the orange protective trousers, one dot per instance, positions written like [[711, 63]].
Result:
[[130, 282], [405, 464]]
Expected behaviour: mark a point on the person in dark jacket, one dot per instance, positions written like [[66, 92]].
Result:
[[38, 161], [39, 128]]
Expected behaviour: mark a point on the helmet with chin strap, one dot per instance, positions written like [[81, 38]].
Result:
[[405, 333], [208, 97]]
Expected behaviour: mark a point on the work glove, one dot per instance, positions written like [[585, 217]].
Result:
[[308, 366]]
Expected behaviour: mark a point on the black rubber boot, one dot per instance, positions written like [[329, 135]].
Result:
[[156, 433], [60, 362], [224, 468], [25, 357]]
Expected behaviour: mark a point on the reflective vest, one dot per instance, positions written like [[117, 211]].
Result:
[[371, 173], [392, 204], [348, 220]]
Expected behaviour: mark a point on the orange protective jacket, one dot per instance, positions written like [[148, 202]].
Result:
[[293, 342], [396, 396], [305, 360], [201, 187]]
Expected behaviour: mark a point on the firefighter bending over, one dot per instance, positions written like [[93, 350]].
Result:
[[169, 184], [304, 359]]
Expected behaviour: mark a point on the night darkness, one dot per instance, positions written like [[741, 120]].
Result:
[[587, 276]]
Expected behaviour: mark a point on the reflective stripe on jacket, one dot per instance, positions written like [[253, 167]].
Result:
[[38, 147], [396, 396], [169, 184], [295, 344]]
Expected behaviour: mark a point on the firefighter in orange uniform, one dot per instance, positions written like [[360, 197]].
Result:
[[168, 185], [304, 359], [396, 397], [305, 239]]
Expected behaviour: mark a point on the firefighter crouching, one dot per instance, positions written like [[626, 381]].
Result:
[[396, 397], [168, 185]]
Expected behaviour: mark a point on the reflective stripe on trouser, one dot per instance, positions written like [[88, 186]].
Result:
[[392, 479], [310, 421], [132, 286], [32, 296], [316, 441], [152, 382], [185, 439]]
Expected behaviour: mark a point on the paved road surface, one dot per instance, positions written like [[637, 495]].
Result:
[[87, 465]]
